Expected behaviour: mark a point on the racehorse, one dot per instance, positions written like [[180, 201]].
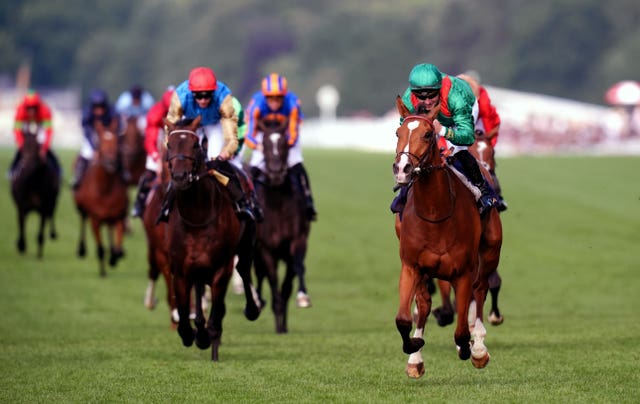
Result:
[[204, 234], [34, 186], [102, 197], [284, 233], [484, 152], [132, 151], [440, 237]]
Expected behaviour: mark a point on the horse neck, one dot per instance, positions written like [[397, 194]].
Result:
[[103, 180], [433, 191]]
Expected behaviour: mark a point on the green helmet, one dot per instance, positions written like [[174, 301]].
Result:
[[425, 76]]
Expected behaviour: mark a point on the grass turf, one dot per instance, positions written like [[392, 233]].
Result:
[[570, 294]]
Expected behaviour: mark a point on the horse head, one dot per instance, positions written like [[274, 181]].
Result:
[[185, 155], [483, 151], [108, 147], [417, 149], [30, 146], [275, 150]]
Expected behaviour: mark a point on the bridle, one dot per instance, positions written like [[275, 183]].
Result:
[[421, 169]]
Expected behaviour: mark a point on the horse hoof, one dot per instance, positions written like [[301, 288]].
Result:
[[302, 300], [444, 318], [494, 319], [203, 341], [481, 362], [415, 370], [464, 353], [22, 246], [151, 303], [413, 345], [53, 235], [82, 251], [251, 314], [187, 335]]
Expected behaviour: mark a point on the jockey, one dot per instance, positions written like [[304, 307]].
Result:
[[276, 103], [428, 88], [100, 110], [204, 95], [154, 130], [33, 110], [487, 123], [134, 103]]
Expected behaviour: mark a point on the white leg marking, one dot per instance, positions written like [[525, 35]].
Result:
[[149, 296], [479, 350], [416, 357], [471, 318]]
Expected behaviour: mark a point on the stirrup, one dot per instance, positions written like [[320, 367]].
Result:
[[243, 211]]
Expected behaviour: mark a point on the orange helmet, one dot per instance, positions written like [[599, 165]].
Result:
[[32, 99], [274, 85], [202, 79]]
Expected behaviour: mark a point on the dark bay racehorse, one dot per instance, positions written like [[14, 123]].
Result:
[[204, 235], [34, 186], [284, 233], [132, 151], [484, 152], [102, 197], [440, 237]]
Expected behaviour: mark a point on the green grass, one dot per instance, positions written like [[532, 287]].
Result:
[[571, 290]]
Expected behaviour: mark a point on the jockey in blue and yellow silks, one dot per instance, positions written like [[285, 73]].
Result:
[[428, 88], [205, 96], [276, 103]]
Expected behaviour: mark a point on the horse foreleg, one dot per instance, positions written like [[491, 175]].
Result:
[[463, 290], [415, 364], [82, 249], [182, 289], [53, 234], [43, 222], [409, 279], [203, 341], [95, 227], [116, 242], [253, 303], [445, 313], [218, 308], [302, 298], [20, 243]]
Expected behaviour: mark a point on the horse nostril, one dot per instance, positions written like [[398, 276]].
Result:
[[395, 168], [407, 169]]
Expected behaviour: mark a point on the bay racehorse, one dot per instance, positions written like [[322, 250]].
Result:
[[34, 186], [440, 237], [157, 243], [204, 235], [132, 151], [102, 197], [284, 233], [484, 152]]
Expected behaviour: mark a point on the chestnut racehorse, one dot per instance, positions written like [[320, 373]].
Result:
[[102, 197], [34, 186], [204, 235], [284, 233], [440, 237], [132, 151], [484, 152]]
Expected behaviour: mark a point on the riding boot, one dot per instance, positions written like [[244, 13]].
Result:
[[241, 200], [52, 161], [14, 164], [488, 198], [249, 191], [397, 205], [167, 204], [502, 204], [80, 168], [143, 190], [300, 179]]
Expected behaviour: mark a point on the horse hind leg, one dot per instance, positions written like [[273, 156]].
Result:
[[95, 227], [218, 308], [253, 302], [444, 314], [182, 289], [21, 244], [82, 248], [117, 252], [495, 317], [43, 221]]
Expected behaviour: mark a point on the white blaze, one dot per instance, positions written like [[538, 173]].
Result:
[[274, 137], [401, 177]]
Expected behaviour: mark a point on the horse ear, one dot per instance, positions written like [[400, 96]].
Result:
[[402, 109], [196, 122]]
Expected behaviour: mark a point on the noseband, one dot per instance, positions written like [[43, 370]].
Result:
[[420, 168]]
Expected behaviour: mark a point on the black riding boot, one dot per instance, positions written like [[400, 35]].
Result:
[[472, 171], [143, 190], [52, 161], [300, 181], [167, 204], [242, 200], [81, 167], [14, 164]]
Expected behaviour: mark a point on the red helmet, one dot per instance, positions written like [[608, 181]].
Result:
[[202, 79], [274, 85], [32, 99]]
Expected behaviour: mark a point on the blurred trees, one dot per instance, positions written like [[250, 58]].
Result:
[[569, 48]]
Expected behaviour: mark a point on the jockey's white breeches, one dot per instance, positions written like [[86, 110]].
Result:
[[257, 157], [86, 151], [152, 165]]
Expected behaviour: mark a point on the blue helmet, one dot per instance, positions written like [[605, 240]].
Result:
[[98, 97]]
